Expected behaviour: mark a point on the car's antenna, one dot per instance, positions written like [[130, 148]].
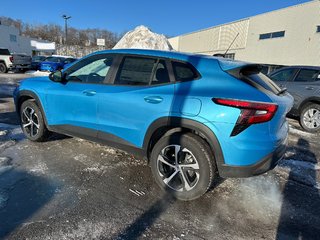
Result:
[[231, 45]]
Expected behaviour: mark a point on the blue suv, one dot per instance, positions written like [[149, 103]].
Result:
[[194, 117]]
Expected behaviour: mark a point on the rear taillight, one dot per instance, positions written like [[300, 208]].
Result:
[[251, 112], [11, 59]]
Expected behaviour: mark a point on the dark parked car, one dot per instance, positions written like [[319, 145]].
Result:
[[36, 61], [303, 83]]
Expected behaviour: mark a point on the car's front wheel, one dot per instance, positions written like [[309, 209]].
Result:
[[183, 165], [310, 117], [32, 121]]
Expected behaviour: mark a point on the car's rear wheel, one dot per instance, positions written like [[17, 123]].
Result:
[[32, 121], [310, 117], [183, 165], [3, 68]]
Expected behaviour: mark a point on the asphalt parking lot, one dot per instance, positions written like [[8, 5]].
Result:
[[68, 188]]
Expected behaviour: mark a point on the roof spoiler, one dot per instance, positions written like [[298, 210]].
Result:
[[229, 64], [245, 70]]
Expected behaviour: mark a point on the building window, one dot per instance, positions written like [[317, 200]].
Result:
[[265, 36], [230, 55], [318, 29], [272, 35], [13, 38]]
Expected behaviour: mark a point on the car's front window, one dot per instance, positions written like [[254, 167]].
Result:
[[307, 75], [90, 70]]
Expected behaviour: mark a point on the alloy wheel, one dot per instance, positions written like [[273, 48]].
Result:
[[178, 168], [30, 121], [311, 118]]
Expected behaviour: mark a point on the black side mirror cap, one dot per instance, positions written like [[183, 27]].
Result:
[[56, 76]]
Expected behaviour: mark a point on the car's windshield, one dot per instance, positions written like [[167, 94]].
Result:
[[54, 59]]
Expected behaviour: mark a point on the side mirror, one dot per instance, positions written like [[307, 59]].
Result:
[[56, 76]]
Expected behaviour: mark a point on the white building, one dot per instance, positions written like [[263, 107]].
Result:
[[289, 36], [10, 38]]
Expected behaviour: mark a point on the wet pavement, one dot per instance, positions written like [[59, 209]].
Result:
[[68, 188]]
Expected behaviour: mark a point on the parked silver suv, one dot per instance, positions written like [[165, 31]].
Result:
[[303, 83]]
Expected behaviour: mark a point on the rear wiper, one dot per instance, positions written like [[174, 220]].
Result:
[[283, 90]]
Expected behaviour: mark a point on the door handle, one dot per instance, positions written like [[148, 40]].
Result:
[[89, 92], [309, 88], [153, 99]]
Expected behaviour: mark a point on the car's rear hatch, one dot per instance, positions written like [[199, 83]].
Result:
[[251, 74]]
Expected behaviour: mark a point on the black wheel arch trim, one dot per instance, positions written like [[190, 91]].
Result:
[[315, 100], [176, 124], [28, 93]]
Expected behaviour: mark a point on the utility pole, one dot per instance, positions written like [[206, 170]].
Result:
[[65, 17]]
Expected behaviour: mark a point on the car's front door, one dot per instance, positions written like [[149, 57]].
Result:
[[141, 92], [72, 105]]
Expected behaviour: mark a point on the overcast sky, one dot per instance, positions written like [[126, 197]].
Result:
[[169, 17]]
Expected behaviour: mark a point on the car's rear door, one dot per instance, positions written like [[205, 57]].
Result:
[[72, 105], [283, 76], [140, 92], [305, 85]]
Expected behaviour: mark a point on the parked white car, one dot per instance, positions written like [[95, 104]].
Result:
[[13, 61]]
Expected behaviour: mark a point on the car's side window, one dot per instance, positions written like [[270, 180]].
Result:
[[307, 75], [90, 70], [284, 75], [161, 74], [135, 71], [184, 72]]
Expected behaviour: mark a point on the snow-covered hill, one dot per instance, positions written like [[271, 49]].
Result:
[[143, 38]]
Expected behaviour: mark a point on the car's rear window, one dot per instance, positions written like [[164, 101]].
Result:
[[184, 71], [265, 82], [252, 75], [135, 71], [283, 75], [4, 52]]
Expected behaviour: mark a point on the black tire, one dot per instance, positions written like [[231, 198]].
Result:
[[3, 68], [196, 151], [308, 117], [34, 130]]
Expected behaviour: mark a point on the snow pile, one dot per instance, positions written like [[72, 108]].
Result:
[[143, 38], [37, 73]]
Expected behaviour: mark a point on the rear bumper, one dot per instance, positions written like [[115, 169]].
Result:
[[21, 66], [267, 163]]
